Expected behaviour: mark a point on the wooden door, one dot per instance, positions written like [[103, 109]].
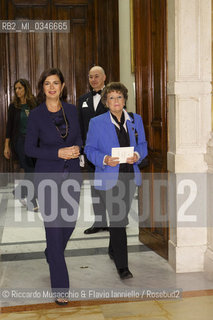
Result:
[[150, 71], [93, 40]]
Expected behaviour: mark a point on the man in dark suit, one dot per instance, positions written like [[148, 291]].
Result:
[[90, 106]]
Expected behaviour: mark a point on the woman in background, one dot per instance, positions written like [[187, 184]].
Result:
[[54, 139], [18, 112]]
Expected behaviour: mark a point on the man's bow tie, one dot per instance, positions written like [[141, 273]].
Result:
[[95, 92]]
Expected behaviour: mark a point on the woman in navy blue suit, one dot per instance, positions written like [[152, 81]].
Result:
[[116, 181], [54, 139]]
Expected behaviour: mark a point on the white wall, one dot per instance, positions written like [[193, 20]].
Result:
[[126, 77]]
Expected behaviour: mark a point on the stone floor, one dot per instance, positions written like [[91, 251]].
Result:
[[24, 273]]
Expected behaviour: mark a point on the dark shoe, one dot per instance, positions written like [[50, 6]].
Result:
[[61, 302], [124, 273], [95, 230]]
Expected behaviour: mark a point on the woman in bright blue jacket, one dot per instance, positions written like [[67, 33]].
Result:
[[116, 181]]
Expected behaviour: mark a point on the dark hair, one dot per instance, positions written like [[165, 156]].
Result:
[[114, 86], [30, 99], [41, 97]]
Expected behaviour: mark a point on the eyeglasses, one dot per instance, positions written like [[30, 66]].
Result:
[[116, 98]]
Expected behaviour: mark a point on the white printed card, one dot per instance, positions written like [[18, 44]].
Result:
[[123, 153]]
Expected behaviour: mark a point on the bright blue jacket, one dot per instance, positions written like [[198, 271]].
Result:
[[101, 138]]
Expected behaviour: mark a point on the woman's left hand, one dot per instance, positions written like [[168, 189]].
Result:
[[133, 159], [68, 153]]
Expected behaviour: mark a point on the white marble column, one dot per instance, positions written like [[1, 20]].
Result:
[[208, 260], [189, 117]]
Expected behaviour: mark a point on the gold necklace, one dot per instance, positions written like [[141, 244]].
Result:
[[66, 123]]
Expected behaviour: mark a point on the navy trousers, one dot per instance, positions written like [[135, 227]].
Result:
[[57, 239], [59, 229]]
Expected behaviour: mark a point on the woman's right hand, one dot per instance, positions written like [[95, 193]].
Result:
[[7, 152], [111, 161]]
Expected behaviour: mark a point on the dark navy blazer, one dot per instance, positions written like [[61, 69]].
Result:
[[43, 140]]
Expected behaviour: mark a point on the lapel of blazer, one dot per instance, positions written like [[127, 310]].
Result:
[[111, 133], [100, 107], [89, 101]]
